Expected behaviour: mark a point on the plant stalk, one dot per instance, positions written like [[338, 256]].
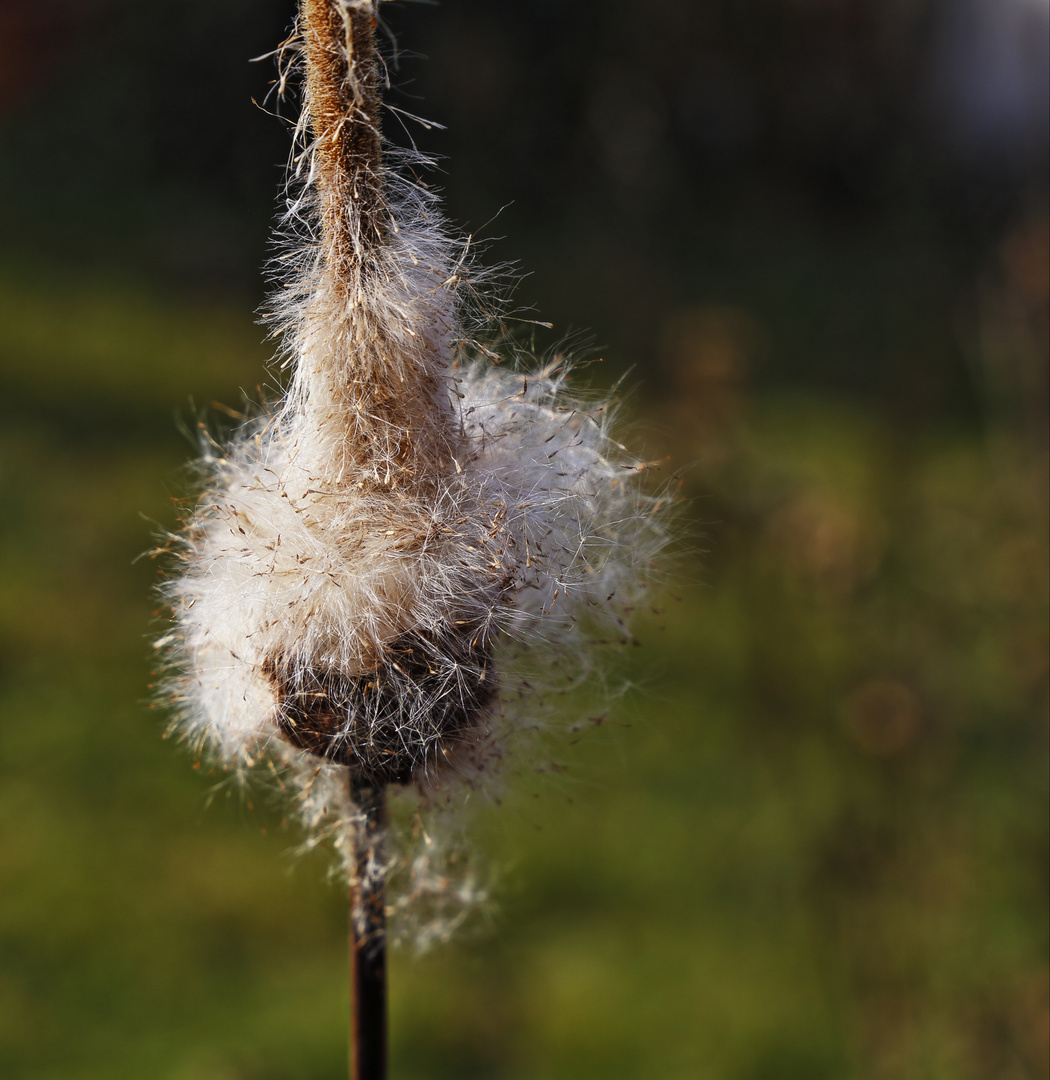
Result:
[[368, 1020]]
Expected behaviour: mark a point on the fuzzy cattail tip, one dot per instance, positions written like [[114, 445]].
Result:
[[374, 552]]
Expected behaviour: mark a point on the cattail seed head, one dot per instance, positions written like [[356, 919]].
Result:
[[370, 549]]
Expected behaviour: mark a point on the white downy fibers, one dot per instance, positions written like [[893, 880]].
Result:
[[370, 549]]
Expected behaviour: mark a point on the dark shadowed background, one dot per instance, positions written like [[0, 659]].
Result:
[[811, 842]]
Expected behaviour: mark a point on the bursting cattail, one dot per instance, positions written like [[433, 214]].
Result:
[[373, 550]]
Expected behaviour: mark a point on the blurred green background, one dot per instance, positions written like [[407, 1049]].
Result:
[[811, 842]]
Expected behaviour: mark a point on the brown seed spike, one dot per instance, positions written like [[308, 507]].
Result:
[[342, 99], [421, 702]]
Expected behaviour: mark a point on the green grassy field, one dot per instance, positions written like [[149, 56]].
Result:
[[809, 844]]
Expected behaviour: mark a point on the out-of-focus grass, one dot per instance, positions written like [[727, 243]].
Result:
[[810, 843]]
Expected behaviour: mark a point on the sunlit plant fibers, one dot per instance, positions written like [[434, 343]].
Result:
[[373, 550]]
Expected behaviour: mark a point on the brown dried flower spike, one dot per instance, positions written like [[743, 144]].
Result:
[[369, 548], [399, 717], [342, 71], [427, 689]]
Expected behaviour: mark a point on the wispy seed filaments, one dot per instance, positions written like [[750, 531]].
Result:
[[417, 506]]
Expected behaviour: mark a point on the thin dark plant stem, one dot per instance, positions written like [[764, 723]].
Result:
[[368, 1022]]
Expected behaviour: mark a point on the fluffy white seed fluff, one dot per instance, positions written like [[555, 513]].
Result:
[[539, 519], [370, 550]]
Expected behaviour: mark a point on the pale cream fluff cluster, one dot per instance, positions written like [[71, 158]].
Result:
[[370, 551], [538, 532]]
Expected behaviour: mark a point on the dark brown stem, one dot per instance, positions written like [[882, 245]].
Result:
[[368, 1034], [342, 94]]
